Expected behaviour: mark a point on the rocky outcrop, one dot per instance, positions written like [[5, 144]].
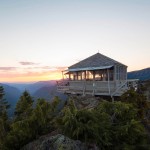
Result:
[[56, 142], [86, 102]]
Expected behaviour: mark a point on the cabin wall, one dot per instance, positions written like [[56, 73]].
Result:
[[120, 72]]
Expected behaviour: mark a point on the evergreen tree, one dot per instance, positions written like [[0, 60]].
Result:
[[138, 100], [41, 118], [126, 130], [4, 124], [80, 124], [109, 125], [24, 106], [30, 123], [3, 105]]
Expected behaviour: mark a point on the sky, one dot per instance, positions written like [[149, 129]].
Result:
[[40, 38]]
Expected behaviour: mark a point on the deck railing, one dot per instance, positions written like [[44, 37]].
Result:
[[96, 87]]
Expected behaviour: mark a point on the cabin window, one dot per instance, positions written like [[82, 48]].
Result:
[[83, 75], [117, 72], [89, 75], [120, 73], [124, 73], [98, 76], [111, 75], [79, 75], [102, 75], [73, 76]]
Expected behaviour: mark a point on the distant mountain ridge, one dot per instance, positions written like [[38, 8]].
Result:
[[48, 93], [142, 75], [41, 89], [32, 87], [12, 95]]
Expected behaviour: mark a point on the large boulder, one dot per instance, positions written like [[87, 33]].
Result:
[[87, 101], [56, 142]]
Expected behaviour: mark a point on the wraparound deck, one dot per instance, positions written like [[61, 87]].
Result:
[[107, 88]]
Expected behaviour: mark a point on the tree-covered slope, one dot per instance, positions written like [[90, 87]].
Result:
[[12, 95], [48, 93], [32, 88], [142, 75]]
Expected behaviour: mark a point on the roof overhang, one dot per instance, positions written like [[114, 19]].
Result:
[[89, 68]]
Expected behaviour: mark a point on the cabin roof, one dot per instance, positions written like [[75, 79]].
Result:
[[96, 60]]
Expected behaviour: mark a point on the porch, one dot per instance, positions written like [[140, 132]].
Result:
[[107, 88]]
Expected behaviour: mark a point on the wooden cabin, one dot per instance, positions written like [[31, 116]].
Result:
[[96, 75]]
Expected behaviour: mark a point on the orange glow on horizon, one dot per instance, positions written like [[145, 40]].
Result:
[[31, 75], [32, 78]]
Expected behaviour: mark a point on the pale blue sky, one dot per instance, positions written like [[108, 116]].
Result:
[[59, 33]]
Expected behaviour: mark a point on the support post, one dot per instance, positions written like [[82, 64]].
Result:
[[93, 83], [69, 77], [84, 84], [126, 73], [112, 98], [85, 75], [108, 81], [63, 75], [115, 73]]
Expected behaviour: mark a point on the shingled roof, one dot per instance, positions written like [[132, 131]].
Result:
[[97, 60]]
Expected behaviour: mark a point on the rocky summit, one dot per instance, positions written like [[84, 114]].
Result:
[[56, 142]]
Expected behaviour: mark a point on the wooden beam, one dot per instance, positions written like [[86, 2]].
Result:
[[69, 77], [115, 73], [62, 75], [77, 76], [93, 75], [85, 75], [108, 80]]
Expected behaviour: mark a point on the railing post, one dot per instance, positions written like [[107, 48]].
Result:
[[108, 81], [93, 93], [84, 87]]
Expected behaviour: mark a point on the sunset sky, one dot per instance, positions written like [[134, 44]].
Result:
[[40, 38]]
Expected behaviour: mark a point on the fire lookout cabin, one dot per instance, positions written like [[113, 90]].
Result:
[[96, 75]]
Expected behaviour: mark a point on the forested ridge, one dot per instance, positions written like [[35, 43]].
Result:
[[142, 75], [115, 125]]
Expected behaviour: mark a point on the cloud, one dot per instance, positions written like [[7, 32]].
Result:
[[61, 68], [48, 68], [53, 68], [7, 68], [24, 63]]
